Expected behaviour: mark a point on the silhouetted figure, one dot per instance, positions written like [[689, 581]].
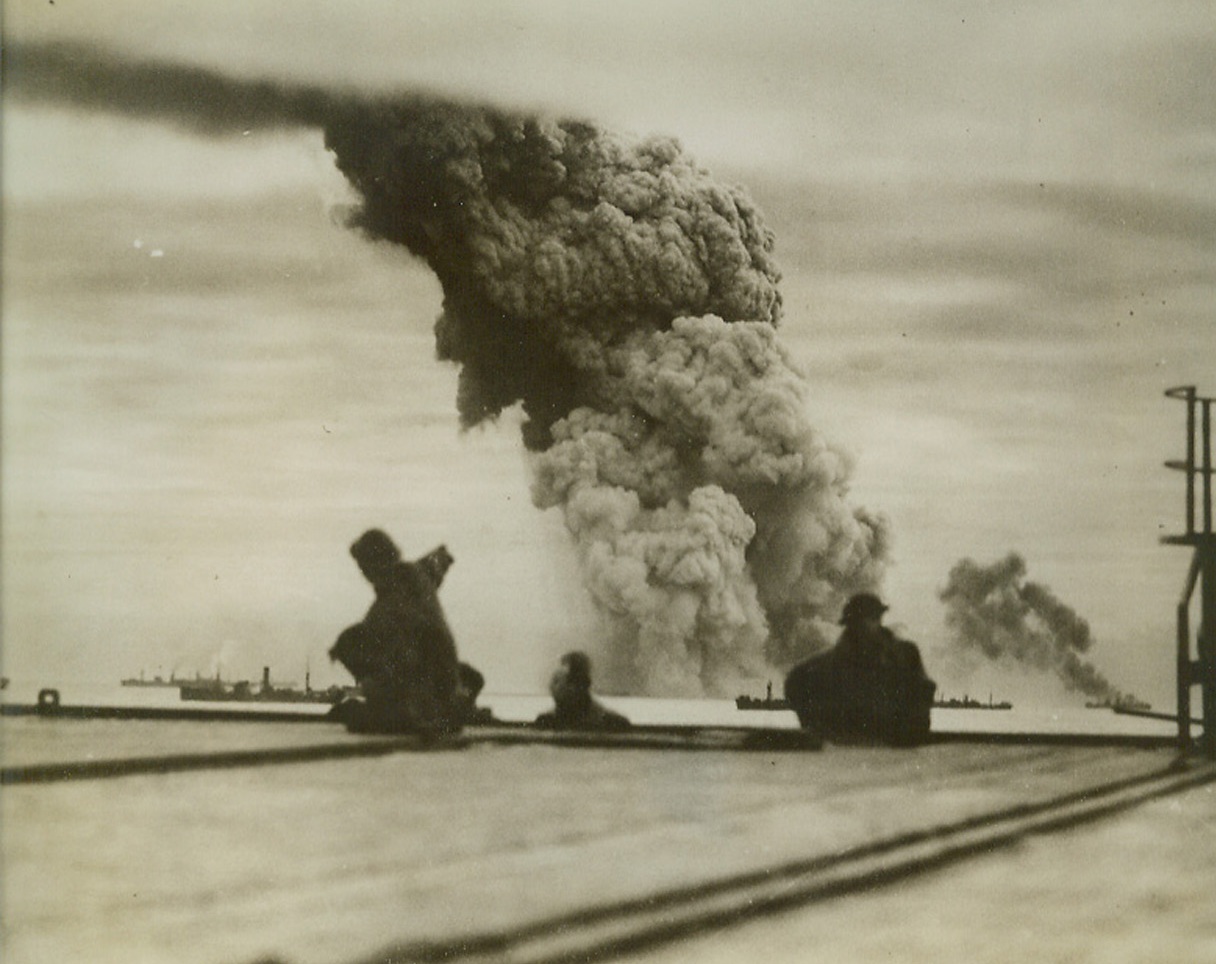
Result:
[[574, 708], [870, 687], [470, 683], [402, 654]]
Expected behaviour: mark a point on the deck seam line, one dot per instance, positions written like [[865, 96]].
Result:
[[641, 923]]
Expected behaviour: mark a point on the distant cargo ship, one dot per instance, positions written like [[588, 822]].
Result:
[[158, 680], [767, 703], [244, 691], [952, 703], [967, 703], [1120, 704]]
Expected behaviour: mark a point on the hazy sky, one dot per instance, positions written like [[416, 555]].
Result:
[[996, 222]]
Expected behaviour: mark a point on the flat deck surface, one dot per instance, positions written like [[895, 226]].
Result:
[[526, 851], [1133, 888]]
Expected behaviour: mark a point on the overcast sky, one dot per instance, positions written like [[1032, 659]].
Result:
[[996, 224]]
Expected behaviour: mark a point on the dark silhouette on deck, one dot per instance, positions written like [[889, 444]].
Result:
[[870, 687], [402, 654], [574, 708]]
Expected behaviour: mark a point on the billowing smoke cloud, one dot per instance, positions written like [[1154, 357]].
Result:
[[707, 509], [629, 303], [996, 613]]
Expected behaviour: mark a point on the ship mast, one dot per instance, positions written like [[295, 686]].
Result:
[[1199, 671]]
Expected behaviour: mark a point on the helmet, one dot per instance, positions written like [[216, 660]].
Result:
[[862, 605]]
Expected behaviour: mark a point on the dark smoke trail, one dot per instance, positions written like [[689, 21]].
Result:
[[190, 97], [994, 611], [629, 304]]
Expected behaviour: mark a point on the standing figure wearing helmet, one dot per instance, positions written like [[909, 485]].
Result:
[[870, 687]]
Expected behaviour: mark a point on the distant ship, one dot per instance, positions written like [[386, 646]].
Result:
[[967, 703], [768, 703], [158, 680], [243, 691], [1119, 704]]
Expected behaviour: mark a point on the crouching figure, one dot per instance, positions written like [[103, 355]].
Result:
[[402, 654], [871, 687]]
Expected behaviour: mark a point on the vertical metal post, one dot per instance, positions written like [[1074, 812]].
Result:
[[1206, 548], [1207, 466], [1207, 645], [1184, 676], [1190, 461]]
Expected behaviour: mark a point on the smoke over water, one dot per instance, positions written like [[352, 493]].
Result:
[[996, 613], [629, 304]]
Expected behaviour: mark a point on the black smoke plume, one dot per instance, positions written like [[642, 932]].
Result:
[[628, 303], [193, 98], [996, 613]]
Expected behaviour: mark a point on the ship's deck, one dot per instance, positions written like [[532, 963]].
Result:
[[311, 845]]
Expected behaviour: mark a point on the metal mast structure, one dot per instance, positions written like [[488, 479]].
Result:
[[1197, 668]]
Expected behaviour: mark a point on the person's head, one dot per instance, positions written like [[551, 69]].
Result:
[[572, 679], [863, 609], [375, 553]]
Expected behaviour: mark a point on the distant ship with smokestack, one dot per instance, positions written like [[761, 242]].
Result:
[[745, 702], [173, 681], [768, 702], [243, 691], [967, 703]]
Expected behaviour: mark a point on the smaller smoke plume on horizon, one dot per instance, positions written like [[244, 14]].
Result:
[[995, 613]]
